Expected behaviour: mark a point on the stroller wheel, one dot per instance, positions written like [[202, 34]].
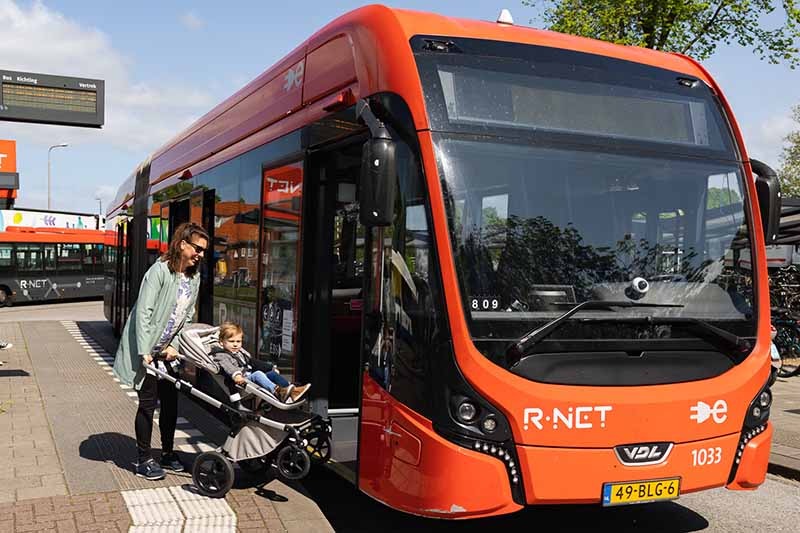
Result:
[[253, 466], [212, 474], [293, 463], [319, 446]]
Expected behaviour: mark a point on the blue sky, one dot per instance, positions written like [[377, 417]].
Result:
[[167, 63]]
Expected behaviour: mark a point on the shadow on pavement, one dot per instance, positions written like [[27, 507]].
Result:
[[111, 447], [13, 373], [348, 510]]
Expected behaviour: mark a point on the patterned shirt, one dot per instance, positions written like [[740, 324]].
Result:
[[178, 313]]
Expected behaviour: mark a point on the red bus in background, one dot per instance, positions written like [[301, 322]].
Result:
[[41, 264], [498, 253]]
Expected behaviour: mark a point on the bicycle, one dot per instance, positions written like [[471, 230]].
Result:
[[788, 343]]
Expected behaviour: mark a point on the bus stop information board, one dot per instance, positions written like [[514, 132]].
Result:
[[46, 99]]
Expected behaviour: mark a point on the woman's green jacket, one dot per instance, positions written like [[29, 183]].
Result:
[[148, 319]]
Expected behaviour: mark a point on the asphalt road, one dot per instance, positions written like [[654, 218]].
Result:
[[775, 506]]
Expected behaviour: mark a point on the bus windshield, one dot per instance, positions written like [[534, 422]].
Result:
[[563, 185], [537, 229]]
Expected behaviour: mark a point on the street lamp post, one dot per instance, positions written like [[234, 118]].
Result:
[[62, 145], [100, 206]]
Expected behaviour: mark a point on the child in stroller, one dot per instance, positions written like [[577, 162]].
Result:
[[238, 366], [276, 435]]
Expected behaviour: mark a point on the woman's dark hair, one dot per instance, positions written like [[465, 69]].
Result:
[[184, 232]]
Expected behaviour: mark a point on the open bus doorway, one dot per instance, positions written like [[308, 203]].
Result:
[[334, 277]]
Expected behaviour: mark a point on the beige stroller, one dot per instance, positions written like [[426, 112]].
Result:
[[272, 435]]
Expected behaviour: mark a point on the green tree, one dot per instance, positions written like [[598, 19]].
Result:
[[719, 197], [789, 173], [692, 27]]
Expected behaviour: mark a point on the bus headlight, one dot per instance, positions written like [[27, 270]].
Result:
[[765, 398], [467, 412], [489, 424]]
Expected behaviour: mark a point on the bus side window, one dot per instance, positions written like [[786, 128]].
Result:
[[29, 258], [5, 257], [69, 257], [91, 259], [49, 257]]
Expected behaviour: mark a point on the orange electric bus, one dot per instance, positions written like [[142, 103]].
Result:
[[48, 263], [507, 259]]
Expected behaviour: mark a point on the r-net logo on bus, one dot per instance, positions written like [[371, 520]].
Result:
[[33, 283], [580, 417]]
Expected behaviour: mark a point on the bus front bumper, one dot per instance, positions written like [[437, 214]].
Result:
[[577, 475]]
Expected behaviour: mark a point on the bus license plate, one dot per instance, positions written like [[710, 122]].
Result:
[[641, 491]]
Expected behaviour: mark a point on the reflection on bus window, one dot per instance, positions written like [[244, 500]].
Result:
[[402, 345], [280, 258]]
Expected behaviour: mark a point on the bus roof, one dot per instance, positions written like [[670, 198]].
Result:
[[348, 54]]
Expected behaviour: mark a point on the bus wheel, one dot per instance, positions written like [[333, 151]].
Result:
[[5, 297]]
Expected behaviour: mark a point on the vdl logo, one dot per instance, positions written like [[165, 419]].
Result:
[[651, 453]]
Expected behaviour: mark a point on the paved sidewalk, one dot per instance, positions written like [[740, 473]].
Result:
[[67, 446], [785, 415]]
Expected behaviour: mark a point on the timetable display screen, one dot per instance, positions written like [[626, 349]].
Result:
[[42, 98]]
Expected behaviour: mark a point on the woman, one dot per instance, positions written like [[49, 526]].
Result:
[[165, 305]]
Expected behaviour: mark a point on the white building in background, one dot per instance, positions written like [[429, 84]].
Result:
[[35, 218]]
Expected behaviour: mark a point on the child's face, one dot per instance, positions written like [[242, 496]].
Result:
[[233, 343]]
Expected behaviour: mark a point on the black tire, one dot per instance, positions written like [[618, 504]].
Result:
[[790, 362], [319, 446], [212, 474], [5, 297], [293, 463], [253, 466]]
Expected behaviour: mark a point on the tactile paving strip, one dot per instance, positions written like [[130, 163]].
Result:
[[178, 509]]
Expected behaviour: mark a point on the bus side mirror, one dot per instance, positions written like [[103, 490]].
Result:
[[768, 189], [378, 182]]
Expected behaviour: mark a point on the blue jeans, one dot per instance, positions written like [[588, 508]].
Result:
[[260, 378], [277, 379]]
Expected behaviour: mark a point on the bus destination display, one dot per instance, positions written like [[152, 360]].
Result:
[[42, 98]]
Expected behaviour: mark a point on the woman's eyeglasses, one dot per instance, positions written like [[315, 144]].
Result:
[[197, 248]]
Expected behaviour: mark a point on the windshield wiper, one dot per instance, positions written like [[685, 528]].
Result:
[[515, 352], [711, 332]]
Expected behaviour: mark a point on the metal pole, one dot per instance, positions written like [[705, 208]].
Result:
[[48, 177], [49, 151]]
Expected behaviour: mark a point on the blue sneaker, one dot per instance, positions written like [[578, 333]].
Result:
[[170, 461], [150, 470]]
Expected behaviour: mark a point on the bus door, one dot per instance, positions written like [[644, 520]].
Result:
[[178, 213], [122, 275], [333, 278], [201, 212]]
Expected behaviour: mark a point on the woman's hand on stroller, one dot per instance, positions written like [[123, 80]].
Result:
[[239, 379], [169, 353]]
